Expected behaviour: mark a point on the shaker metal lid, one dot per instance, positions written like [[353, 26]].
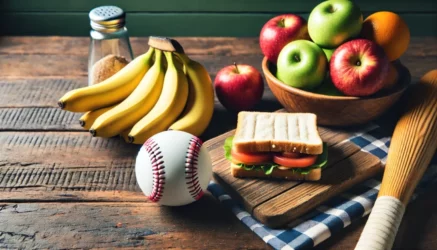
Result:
[[107, 18]]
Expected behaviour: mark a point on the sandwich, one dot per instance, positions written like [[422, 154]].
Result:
[[276, 145]]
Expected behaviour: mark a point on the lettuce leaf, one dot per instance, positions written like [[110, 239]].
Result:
[[228, 147], [268, 169], [322, 160]]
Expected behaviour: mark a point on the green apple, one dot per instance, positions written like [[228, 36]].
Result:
[[328, 88], [328, 53], [333, 22], [301, 64]]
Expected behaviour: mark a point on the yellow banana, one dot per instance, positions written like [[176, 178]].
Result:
[[169, 106], [135, 106], [87, 120], [200, 105], [112, 90]]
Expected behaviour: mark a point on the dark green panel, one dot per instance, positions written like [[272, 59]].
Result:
[[167, 24], [209, 5]]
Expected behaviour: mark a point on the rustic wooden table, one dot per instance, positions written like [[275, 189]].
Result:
[[60, 188]]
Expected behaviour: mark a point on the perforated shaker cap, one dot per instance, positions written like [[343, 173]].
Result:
[[107, 18]]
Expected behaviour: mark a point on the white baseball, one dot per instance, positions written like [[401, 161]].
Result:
[[173, 168]]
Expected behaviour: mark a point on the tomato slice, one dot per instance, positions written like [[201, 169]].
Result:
[[301, 162], [250, 158], [291, 155]]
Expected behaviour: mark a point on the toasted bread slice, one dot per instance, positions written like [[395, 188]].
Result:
[[277, 132], [314, 175]]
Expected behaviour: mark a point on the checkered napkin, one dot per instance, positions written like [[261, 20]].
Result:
[[335, 214]]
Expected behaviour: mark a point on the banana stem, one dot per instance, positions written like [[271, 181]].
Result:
[[169, 57], [150, 52], [158, 57], [184, 58]]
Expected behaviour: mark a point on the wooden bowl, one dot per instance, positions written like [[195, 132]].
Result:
[[336, 110]]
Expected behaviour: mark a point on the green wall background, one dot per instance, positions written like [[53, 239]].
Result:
[[241, 18]]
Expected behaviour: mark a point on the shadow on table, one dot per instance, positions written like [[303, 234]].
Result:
[[207, 211]]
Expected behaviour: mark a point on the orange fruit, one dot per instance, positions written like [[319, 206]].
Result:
[[392, 77], [389, 31]]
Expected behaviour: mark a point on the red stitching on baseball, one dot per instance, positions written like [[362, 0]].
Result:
[[191, 168], [158, 171]]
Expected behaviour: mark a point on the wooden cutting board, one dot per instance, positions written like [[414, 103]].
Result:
[[276, 203]]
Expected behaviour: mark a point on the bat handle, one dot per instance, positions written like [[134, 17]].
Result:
[[411, 149], [382, 225]]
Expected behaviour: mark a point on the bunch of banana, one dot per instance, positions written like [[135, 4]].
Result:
[[160, 90]]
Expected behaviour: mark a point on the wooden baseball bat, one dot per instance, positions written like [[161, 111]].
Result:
[[412, 147]]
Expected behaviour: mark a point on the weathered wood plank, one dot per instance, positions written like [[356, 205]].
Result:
[[24, 45], [419, 65], [65, 161], [217, 141], [59, 177], [123, 225], [422, 46], [73, 66], [419, 58], [42, 66], [55, 45], [417, 230], [36, 92], [74, 149], [39, 194], [52, 119]]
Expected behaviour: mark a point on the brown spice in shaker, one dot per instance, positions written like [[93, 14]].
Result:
[[107, 67]]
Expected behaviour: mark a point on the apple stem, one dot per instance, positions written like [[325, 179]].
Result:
[[235, 64], [282, 22], [296, 57]]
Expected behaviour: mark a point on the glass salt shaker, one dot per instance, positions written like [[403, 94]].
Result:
[[109, 36]]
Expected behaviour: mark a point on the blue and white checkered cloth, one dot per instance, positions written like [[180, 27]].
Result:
[[334, 215]]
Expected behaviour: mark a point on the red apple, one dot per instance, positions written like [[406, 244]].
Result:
[[359, 67], [239, 87], [279, 31]]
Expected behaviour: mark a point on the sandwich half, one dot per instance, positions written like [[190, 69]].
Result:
[[276, 145]]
